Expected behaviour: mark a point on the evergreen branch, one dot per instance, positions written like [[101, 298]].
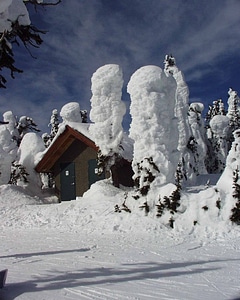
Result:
[[36, 3]]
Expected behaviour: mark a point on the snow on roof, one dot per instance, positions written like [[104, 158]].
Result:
[[83, 129], [127, 143]]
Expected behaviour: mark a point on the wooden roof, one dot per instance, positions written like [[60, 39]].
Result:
[[59, 146]]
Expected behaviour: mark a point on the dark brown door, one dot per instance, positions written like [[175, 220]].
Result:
[[67, 181]]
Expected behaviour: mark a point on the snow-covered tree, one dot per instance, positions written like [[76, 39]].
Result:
[[18, 174], [5, 166], [218, 145], [169, 62], [199, 135], [107, 110], [186, 140], [11, 125], [48, 178], [46, 139], [54, 123], [232, 163], [16, 27], [71, 112], [6, 142], [218, 140], [233, 112], [84, 116], [154, 127], [229, 182], [217, 108], [235, 212], [26, 124], [30, 146], [8, 146]]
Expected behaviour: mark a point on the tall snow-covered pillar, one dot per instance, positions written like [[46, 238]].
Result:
[[154, 127], [181, 112], [107, 109]]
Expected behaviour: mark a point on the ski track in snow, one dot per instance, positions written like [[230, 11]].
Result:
[[52, 264], [83, 250]]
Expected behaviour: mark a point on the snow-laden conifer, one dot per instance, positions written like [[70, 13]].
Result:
[[199, 134], [26, 124], [107, 110], [217, 108], [235, 212], [9, 134], [232, 164], [229, 181], [11, 125], [16, 27], [7, 142], [186, 139], [233, 111], [31, 145], [70, 112], [8, 146], [10, 11], [54, 123], [154, 127], [218, 148], [182, 101]]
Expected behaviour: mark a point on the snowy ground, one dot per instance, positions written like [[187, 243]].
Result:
[[84, 250]]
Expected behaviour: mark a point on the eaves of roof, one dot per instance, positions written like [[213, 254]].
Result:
[[59, 146]]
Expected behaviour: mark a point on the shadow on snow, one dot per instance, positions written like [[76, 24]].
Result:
[[27, 255], [97, 276]]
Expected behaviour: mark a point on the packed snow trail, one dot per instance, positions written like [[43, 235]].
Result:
[[53, 264], [84, 250]]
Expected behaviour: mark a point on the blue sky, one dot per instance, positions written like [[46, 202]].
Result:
[[83, 35]]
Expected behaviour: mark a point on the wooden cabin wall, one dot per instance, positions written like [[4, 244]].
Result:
[[80, 154]]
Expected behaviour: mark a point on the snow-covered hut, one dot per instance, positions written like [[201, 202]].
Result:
[[71, 158]]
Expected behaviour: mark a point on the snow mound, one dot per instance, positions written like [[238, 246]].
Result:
[[96, 212], [4, 5], [219, 125], [6, 161], [197, 107], [70, 112], [6, 141]]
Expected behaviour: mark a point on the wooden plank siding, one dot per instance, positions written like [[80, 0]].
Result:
[[59, 146], [72, 146], [80, 154]]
